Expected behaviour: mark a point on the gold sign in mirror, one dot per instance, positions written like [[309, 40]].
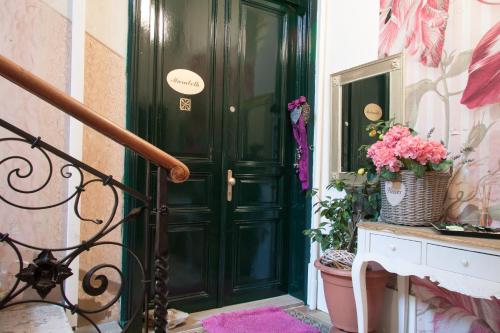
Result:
[[373, 112], [360, 96]]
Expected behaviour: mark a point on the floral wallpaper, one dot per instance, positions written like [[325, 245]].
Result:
[[441, 310], [453, 88], [452, 50]]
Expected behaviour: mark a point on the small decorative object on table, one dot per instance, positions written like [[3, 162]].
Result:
[[485, 219], [414, 175], [463, 229]]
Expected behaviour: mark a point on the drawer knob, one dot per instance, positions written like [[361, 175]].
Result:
[[392, 247], [465, 262]]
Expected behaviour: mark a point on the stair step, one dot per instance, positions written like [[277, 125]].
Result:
[[35, 318]]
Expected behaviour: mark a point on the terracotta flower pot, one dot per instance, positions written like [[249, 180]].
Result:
[[339, 296]]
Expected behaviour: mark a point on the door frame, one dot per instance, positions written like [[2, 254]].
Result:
[[142, 104]]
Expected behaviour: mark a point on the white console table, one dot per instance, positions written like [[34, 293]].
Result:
[[467, 265]]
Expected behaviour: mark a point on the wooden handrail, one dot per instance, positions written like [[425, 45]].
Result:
[[179, 172]]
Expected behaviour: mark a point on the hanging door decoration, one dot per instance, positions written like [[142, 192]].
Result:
[[300, 112]]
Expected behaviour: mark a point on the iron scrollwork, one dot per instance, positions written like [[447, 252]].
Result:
[[51, 266]]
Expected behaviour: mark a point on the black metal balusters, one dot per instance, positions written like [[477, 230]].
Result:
[[161, 254], [51, 267]]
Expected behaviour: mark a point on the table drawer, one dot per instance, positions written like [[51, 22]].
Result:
[[481, 265], [396, 248]]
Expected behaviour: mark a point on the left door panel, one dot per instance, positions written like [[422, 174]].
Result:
[[170, 35], [186, 40]]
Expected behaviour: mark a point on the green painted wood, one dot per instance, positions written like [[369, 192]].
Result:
[[300, 205], [141, 66], [356, 95], [256, 143], [253, 55], [188, 33]]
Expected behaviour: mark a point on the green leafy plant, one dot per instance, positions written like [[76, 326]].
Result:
[[340, 216]]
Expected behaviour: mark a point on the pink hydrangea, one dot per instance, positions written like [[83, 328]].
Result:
[[383, 156], [394, 134], [398, 144], [434, 151], [420, 150], [394, 165], [410, 147]]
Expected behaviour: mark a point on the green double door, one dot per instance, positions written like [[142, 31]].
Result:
[[229, 224]]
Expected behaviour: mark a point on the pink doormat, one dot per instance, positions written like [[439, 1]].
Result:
[[262, 320]]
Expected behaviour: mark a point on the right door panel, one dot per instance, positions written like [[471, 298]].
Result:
[[255, 147]]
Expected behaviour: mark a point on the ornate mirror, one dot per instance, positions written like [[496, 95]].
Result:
[[360, 96]]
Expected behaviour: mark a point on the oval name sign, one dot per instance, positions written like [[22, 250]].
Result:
[[185, 81]]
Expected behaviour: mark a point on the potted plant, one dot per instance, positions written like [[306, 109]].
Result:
[[336, 235], [414, 174]]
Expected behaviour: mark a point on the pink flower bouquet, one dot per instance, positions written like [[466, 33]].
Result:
[[399, 149]]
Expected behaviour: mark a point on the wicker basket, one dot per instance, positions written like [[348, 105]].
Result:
[[414, 201]]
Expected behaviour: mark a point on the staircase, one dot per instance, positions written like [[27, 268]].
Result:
[[43, 310]]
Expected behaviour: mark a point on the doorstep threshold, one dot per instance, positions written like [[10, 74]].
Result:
[[193, 323]]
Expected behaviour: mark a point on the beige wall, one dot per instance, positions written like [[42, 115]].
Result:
[[107, 21], [358, 46], [37, 38], [105, 93], [61, 6], [37, 35]]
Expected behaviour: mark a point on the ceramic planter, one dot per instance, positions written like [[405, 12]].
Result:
[[339, 296]]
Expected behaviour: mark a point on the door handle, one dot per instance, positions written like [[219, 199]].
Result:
[[230, 183]]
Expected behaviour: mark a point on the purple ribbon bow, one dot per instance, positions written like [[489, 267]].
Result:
[[300, 135], [296, 103]]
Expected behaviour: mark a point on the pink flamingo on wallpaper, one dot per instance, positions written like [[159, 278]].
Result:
[[418, 25], [483, 84]]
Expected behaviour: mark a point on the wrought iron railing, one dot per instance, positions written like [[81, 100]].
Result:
[[50, 269]]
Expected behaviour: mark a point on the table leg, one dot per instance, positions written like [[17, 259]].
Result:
[[403, 298], [359, 288]]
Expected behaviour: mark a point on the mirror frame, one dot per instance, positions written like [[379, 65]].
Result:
[[394, 65]]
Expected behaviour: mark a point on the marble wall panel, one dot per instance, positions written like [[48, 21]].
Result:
[[37, 38], [105, 93]]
